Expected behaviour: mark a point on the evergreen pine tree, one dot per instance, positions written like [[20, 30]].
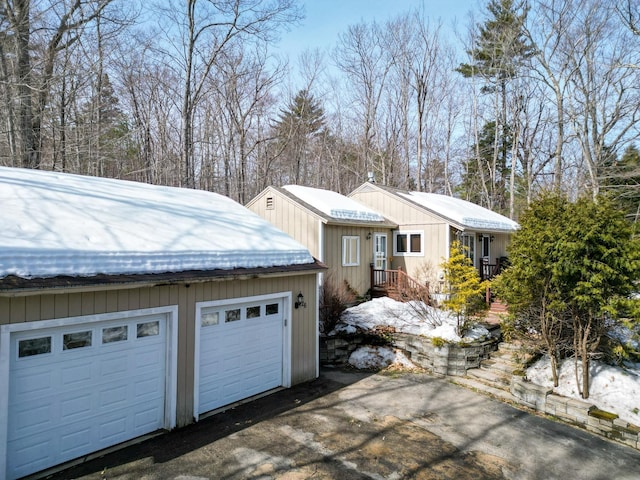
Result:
[[296, 128], [621, 178], [573, 266], [499, 53]]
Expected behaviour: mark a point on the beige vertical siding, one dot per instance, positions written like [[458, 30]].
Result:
[[291, 218], [433, 228], [499, 245], [357, 278], [435, 249], [304, 357]]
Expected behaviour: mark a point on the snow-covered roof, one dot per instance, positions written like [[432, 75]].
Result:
[[334, 204], [60, 224], [466, 214]]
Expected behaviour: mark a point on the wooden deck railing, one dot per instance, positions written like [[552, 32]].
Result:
[[490, 270], [397, 283]]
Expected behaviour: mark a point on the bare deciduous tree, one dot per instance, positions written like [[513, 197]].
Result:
[[206, 28], [53, 26]]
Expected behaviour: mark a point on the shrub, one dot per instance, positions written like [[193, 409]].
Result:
[[464, 288], [334, 299], [574, 266]]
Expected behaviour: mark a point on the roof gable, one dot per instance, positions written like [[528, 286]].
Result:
[[60, 224]]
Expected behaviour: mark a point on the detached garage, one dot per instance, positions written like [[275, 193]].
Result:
[[127, 308]]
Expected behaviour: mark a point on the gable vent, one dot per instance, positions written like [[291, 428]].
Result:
[[270, 204]]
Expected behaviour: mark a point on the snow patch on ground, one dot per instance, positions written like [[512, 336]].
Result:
[[612, 388], [403, 318], [369, 357]]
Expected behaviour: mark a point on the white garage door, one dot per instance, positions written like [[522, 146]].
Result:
[[78, 389], [241, 351]]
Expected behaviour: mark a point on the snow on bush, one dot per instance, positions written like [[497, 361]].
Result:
[[612, 389], [404, 319]]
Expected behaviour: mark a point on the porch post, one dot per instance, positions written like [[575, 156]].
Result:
[[372, 276]]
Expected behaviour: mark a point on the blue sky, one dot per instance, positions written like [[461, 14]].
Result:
[[325, 19]]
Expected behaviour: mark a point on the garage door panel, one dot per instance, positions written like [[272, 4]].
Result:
[[76, 407], [145, 387], [211, 392], [33, 418], [75, 442], [145, 419], [148, 358], [113, 365], [112, 430], [31, 456], [32, 384], [113, 397], [75, 376]]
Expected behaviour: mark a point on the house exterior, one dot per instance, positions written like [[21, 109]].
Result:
[[128, 308], [427, 225], [342, 233]]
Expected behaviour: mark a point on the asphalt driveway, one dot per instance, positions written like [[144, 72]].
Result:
[[353, 425]]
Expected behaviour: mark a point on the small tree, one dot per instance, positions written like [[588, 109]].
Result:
[[535, 309], [596, 271], [463, 287], [572, 266]]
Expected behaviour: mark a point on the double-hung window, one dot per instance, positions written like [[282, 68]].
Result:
[[468, 241], [350, 251], [408, 243]]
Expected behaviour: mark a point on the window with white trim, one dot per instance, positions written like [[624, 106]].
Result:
[[468, 241], [408, 243], [350, 251]]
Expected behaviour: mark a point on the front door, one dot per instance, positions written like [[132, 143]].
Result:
[[486, 248], [380, 251]]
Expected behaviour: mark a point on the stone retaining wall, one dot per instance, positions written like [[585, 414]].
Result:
[[335, 351], [445, 360], [448, 359], [578, 412]]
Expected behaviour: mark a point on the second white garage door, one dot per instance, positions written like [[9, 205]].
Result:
[[241, 350]]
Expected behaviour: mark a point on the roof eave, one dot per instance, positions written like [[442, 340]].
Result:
[[361, 223], [13, 286]]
